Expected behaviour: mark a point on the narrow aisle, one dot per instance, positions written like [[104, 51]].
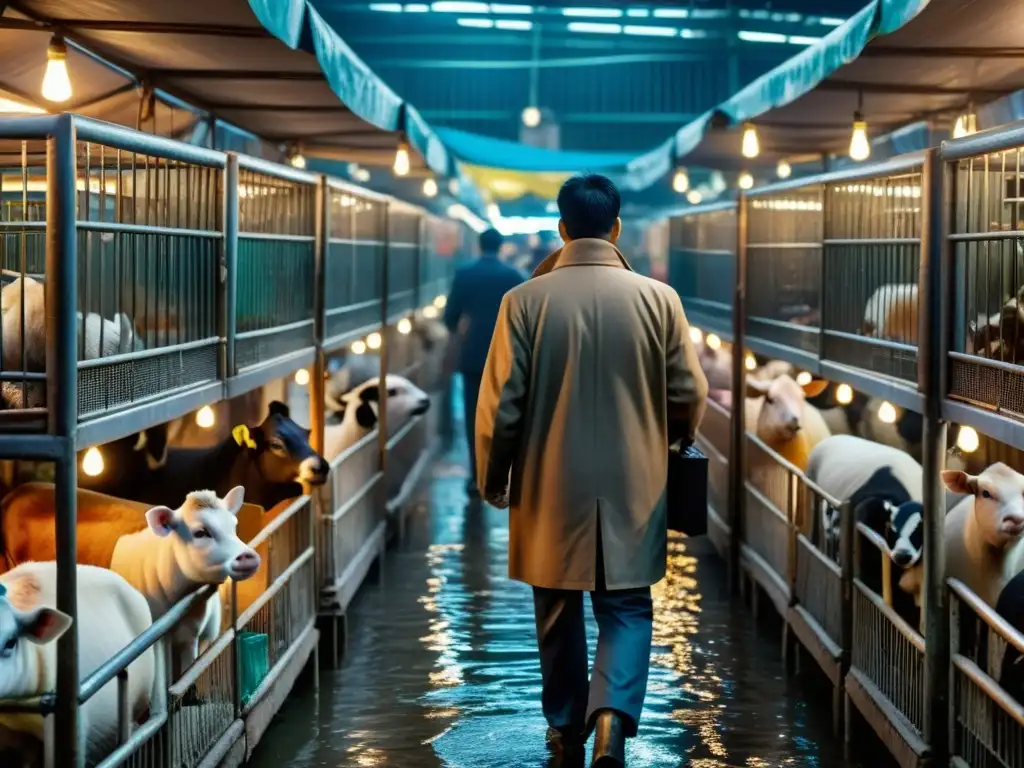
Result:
[[442, 668]]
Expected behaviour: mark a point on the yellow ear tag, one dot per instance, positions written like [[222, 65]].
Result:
[[241, 435]]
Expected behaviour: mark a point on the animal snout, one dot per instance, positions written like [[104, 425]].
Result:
[[902, 557], [421, 407], [313, 470], [245, 565], [1013, 524]]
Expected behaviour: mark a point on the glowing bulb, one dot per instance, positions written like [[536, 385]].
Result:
[[713, 341], [205, 417], [844, 394], [968, 440], [887, 413], [531, 117], [860, 147], [695, 335], [454, 187], [746, 181], [440, 301], [373, 341], [804, 378], [92, 464], [404, 326], [430, 188], [298, 161], [681, 181], [693, 197], [751, 146], [402, 159], [965, 126], [358, 347], [750, 362], [430, 311], [57, 83], [783, 170], [302, 377]]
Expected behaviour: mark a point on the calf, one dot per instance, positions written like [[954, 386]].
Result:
[[270, 461], [983, 535], [166, 554], [356, 413], [111, 615]]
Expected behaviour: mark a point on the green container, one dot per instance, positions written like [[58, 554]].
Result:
[[255, 662]]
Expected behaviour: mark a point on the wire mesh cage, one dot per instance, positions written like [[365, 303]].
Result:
[[149, 242], [355, 265], [871, 268], [275, 267], [987, 251], [404, 237], [702, 266], [784, 234]]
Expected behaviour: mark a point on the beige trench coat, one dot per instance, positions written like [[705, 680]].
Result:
[[590, 368]]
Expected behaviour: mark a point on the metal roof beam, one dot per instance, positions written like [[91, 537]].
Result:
[[136, 27], [934, 52], [236, 74], [904, 88]]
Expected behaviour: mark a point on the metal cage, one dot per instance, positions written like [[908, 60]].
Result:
[[702, 265]]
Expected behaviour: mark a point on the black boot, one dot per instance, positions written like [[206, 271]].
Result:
[[609, 741], [566, 747]]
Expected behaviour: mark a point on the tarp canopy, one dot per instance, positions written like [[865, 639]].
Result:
[[898, 61]]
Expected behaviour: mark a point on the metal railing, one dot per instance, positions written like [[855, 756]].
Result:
[[159, 277]]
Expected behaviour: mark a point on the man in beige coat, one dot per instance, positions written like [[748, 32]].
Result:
[[590, 377]]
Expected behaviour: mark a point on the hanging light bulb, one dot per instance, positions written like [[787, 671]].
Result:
[[693, 197], [92, 462], [531, 117], [783, 170], [302, 377], [402, 158], [844, 394], [713, 341], [804, 378], [298, 161], [746, 181], [56, 82], [404, 326], [965, 125], [205, 417], [750, 362], [358, 347], [430, 311], [681, 181], [968, 440], [860, 147], [887, 413], [440, 301], [751, 146], [429, 188], [695, 335], [373, 341]]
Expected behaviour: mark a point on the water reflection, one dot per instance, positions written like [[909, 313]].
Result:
[[442, 667]]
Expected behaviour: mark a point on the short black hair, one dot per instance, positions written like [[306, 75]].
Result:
[[490, 241], [589, 206]]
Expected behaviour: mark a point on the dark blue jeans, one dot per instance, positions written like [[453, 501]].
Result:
[[470, 394]]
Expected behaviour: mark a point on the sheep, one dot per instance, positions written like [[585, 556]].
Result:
[[166, 554], [111, 614], [779, 416], [983, 533], [357, 412], [891, 313]]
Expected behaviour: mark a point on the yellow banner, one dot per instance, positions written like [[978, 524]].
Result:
[[511, 185]]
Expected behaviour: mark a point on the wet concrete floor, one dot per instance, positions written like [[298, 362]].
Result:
[[441, 666]]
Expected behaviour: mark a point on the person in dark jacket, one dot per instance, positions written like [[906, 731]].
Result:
[[470, 315]]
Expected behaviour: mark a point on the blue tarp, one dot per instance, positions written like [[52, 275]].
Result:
[[300, 26]]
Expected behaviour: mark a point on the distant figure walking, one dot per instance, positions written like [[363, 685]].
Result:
[[591, 376], [470, 315]]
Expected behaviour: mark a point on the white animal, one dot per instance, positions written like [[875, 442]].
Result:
[[358, 411], [983, 535], [111, 615], [179, 552], [891, 313], [771, 370]]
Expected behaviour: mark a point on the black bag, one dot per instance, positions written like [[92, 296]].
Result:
[[687, 491]]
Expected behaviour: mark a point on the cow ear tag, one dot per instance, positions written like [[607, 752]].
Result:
[[241, 435]]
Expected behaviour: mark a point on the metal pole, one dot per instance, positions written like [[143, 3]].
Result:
[[933, 284], [317, 390], [62, 411], [229, 274], [847, 536], [382, 387], [737, 445]]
